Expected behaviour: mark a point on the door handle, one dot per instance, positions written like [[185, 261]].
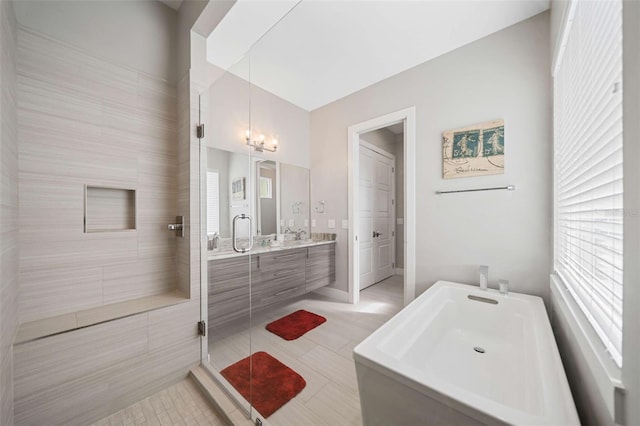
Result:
[[376, 234], [234, 239]]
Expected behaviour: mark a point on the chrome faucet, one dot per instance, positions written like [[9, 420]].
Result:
[[213, 241], [504, 287], [484, 277], [299, 233]]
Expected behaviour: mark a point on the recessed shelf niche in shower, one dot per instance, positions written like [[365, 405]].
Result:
[[108, 209]]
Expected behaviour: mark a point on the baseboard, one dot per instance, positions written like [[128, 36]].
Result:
[[399, 271], [334, 293]]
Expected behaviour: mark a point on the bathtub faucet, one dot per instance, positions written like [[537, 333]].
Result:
[[484, 277], [504, 287]]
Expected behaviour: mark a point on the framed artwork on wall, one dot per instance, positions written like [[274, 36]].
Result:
[[475, 150], [238, 192]]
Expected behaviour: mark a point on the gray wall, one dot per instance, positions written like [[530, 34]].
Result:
[[80, 376], [505, 75], [137, 34], [8, 207], [590, 404], [294, 185], [235, 105], [631, 111], [381, 138]]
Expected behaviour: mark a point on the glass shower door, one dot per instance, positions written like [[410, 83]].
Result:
[[228, 266]]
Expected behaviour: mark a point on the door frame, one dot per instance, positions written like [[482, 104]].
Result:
[[392, 218], [408, 117]]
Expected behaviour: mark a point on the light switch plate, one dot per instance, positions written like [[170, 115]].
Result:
[[306, 222], [292, 222], [345, 224], [282, 222], [331, 224], [400, 221], [313, 223]]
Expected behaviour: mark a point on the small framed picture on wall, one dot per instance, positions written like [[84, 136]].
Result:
[[475, 150], [238, 192]]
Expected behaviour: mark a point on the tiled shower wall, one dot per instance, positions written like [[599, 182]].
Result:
[[86, 121], [8, 209]]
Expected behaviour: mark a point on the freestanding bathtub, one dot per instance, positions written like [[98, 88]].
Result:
[[458, 355]]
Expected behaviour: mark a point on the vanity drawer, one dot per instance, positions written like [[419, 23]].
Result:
[[320, 266], [230, 295], [231, 274], [283, 275], [282, 260], [282, 284]]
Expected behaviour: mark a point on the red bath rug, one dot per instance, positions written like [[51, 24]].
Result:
[[295, 325], [272, 383]]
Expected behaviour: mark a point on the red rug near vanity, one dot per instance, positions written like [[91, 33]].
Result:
[[264, 381], [295, 325]]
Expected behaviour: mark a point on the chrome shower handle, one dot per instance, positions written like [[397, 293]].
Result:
[[233, 238]]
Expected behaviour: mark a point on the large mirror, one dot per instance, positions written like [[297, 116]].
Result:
[[294, 200], [280, 194], [267, 198]]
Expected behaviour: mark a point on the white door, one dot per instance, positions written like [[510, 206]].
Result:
[[377, 216]]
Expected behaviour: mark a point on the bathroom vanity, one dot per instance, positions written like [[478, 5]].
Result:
[[274, 273]]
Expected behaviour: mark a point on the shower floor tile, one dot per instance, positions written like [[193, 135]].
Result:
[[180, 404]]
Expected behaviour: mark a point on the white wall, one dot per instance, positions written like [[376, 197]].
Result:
[[137, 34], [8, 208], [505, 75]]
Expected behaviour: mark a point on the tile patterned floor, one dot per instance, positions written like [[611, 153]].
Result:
[[180, 404], [323, 356]]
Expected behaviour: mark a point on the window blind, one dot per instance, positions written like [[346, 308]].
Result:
[[588, 165], [213, 202]]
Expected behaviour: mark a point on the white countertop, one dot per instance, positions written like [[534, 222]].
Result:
[[289, 245]]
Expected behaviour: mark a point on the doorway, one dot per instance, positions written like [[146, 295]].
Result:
[[377, 212], [361, 230]]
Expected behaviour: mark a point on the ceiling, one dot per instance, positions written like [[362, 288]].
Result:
[[319, 51]]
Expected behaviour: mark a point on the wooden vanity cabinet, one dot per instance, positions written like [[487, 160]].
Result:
[[275, 276], [283, 275], [320, 266], [229, 291]]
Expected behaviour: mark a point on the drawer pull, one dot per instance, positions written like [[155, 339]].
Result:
[[285, 291], [283, 256], [284, 273]]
